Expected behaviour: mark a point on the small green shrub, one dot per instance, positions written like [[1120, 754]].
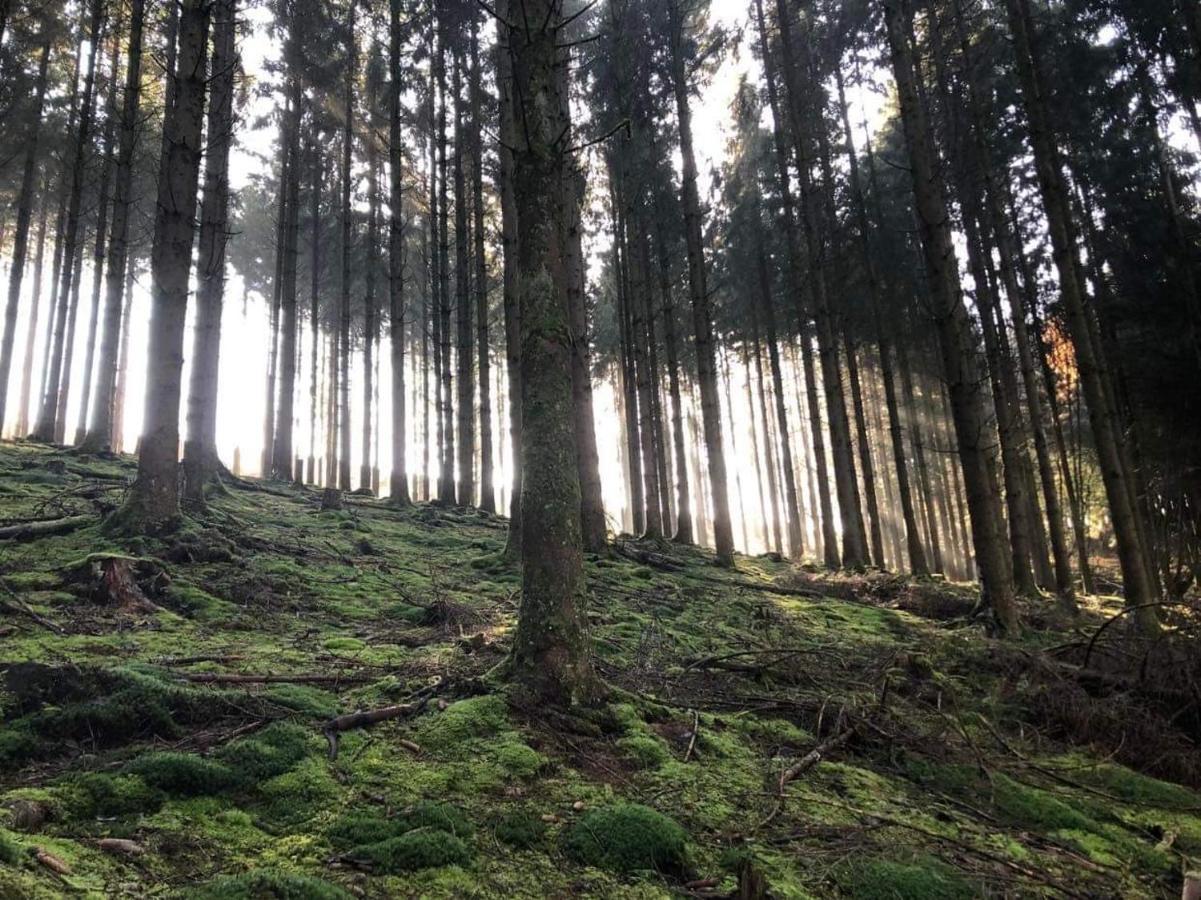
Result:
[[118, 795], [520, 829], [885, 879], [183, 774], [415, 850], [627, 837], [267, 884]]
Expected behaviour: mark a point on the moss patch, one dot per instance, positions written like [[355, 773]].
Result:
[[627, 837]]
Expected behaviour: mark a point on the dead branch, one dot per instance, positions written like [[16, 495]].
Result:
[[26, 531], [364, 718], [223, 678], [814, 756]]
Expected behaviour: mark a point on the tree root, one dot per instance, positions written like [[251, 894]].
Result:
[[28, 531]]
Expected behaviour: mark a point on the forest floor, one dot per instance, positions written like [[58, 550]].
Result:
[[169, 720]]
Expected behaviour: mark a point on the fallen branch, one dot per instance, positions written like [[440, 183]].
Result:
[[364, 718], [21, 608], [220, 678], [813, 757], [26, 531]]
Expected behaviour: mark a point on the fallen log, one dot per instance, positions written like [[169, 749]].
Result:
[[27, 531], [226, 678], [814, 756], [364, 718]]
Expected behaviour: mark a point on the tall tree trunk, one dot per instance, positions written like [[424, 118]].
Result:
[[154, 496], [48, 424], [866, 462], [446, 484], [629, 376], [282, 451], [103, 422], [773, 491], [101, 236], [509, 250], [371, 264], [815, 219], [200, 449], [39, 258], [487, 490], [683, 530], [315, 182], [465, 324], [1139, 589], [123, 366], [399, 481], [21, 238], [550, 654], [953, 327], [701, 314], [343, 401]]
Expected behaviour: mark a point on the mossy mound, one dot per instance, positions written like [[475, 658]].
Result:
[[267, 884], [357, 828], [110, 796], [890, 879], [274, 751], [627, 837], [461, 721], [183, 774], [520, 829], [10, 849], [414, 850]]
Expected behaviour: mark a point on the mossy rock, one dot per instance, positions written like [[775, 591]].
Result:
[[520, 829], [118, 795], [889, 879], [424, 849], [183, 774], [628, 837], [267, 884]]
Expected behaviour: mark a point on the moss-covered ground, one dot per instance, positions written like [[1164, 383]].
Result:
[[132, 766]]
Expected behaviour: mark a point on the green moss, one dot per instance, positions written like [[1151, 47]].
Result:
[[17, 746], [267, 884], [627, 837], [518, 759], [438, 816], [275, 750], [520, 829], [304, 698], [1033, 807], [1136, 787], [888, 879], [356, 828], [415, 850], [118, 795], [474, 717], [183, 774], [296, 796], [10, 849], [648, 751], [344, 644]]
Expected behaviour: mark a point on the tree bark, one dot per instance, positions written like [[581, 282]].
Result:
[[1139, 589], [551, 657], [487, 489], [701, 313], [154, 496], [25, 202], [683, 531], [464, 320], [48, 424], [344, 464], [399, 480], [200, 449], [953, 329]]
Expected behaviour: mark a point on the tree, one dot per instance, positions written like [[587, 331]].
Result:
[[399, 481], [154, 497], [551, 657]]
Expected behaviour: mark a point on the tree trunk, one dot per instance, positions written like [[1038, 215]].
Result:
[[200, 449], [371, 264], [551, 657], [641, 337], [487, 490], [683, 532], [343, 400], [701, 314], [39, 258], [773, 491], [154, 496], [101, 430], [25, 202], [399, 481], [48, 424], [954, 330], [446, 483], [464, 319], [1139, 589], [509, 250]]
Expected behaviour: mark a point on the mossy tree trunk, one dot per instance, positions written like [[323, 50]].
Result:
[[551, 656]]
